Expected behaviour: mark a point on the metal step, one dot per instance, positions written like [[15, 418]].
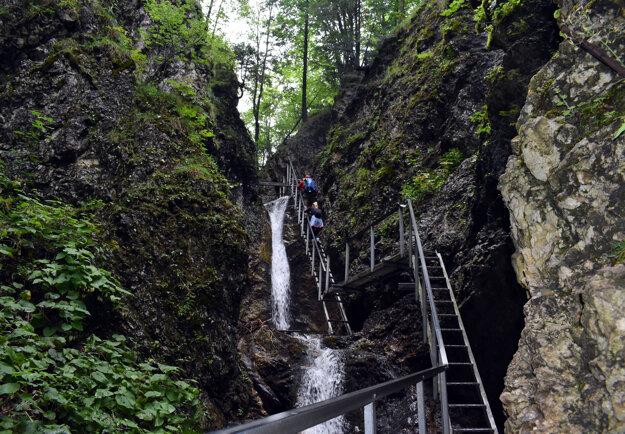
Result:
[[472, 430]]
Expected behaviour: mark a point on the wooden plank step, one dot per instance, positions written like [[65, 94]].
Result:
[[466, 405]]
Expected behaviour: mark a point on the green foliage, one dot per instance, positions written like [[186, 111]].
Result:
[[180, 33], [505, 9], [52, 376], [41, 125], [183, 106], [620, 131], [481, 119], [453, 7], [618, 252], [430, 181]]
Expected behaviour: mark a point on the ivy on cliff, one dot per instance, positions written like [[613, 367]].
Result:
[[52, 375]]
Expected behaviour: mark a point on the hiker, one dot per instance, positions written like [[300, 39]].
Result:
[[316, 219], [308, 187]]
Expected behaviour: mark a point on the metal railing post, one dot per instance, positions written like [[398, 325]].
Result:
[[401, 230], [327, 275], [421, 407], [411, 261], [312, 242], [320, 277], [346, 261], [370, 419], [444, 404], [372, 248]]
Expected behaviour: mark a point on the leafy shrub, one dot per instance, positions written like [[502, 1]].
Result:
[[52, 377]]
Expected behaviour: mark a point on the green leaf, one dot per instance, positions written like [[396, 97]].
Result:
[[620, 131], [6, 369], [6, 250], [27, 306], [102, 393], [53, 395], [126, 401], [49, 331], [99, 377], [9, 388]]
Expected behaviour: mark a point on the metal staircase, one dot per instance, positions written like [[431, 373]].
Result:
[[469, 410], [331, 301], [456, 382]]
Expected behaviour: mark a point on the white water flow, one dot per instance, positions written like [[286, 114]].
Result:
[[323, 379], [323, 376], [280, 272]]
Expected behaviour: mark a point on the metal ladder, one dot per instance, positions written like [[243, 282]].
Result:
[[469, 410]]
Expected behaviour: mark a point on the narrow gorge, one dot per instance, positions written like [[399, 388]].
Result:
[[153, 274]]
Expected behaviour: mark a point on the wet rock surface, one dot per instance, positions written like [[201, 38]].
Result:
[[563, 186]]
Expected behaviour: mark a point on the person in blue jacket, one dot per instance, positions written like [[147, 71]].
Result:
[[316, 219]]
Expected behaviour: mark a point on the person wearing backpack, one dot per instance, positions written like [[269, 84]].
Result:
[[309, 189], [316, 219]]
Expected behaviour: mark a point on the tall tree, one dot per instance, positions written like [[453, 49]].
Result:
[[305, 64], [261, 70]]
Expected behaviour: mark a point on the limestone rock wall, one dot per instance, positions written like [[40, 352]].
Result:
[[565, 188]]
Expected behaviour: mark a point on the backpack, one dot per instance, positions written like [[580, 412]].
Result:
[[310, 186]]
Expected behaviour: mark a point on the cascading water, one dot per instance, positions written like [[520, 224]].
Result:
[[280, 272], [323, 379]]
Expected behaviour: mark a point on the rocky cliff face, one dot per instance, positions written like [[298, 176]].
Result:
[[90, 115], [564, 188]]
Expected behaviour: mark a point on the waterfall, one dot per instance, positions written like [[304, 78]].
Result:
[[323, 379], [280, 273], [323, 376]]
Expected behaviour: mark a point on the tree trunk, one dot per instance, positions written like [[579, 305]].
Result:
[[305, 64], [357, 33], [262, 80]]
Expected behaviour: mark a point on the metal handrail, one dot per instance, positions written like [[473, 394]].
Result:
[[428, 286], [438, 342], [298, 419]]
